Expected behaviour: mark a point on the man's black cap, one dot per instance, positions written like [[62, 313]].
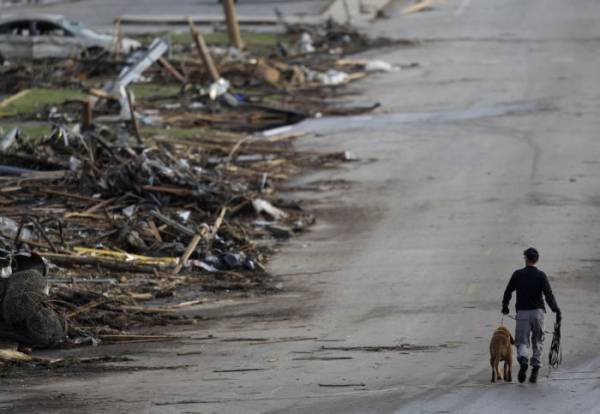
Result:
[[531, 254]]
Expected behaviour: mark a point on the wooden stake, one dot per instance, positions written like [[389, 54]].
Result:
[[209, 234], [118, 37], [209, 65], [134, 122], [171, 69], [188, 252], [86, 121], [233, 28]]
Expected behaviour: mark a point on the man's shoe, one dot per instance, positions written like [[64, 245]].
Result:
[[523, 372], [534, 374]]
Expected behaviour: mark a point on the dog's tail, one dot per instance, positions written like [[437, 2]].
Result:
[[512, 340]]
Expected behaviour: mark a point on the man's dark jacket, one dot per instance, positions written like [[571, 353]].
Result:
[[530, 283]]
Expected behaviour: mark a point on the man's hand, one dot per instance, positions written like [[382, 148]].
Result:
[[505, 310]]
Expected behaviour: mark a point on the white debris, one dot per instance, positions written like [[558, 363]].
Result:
[[175, 105], [74, 163], [129, 211], [305, 44], [218, 88], [202, 265], [10, 228], [350, 156], [5, 272], [330, 78], [184, 215], [183, 163], [379, 66], [9, 139], [263, 206]]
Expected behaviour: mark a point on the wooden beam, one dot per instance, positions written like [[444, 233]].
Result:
[[171, 69], [209, 64], [233, 28]]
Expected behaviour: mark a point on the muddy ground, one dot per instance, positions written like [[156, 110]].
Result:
[[415, 248]]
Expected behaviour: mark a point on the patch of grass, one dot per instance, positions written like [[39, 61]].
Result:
[[37, 98], [32, 130], [253, 40], [145, 90]]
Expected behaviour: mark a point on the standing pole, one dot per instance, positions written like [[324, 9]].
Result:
[[209, 65], [118, 37], [233, 28], [87, 115], [134, 122]]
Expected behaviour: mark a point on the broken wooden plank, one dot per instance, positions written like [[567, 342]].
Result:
[[85, 308], [119, 266], [180, 227], [188, 252], [171, 69], [419, 6], [14, 98]]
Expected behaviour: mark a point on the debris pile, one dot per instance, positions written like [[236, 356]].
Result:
[[143, 206], [135, 223]]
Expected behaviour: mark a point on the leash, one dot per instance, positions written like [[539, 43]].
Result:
[[555, 354]]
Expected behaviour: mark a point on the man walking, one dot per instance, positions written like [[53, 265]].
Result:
[[530, 283]]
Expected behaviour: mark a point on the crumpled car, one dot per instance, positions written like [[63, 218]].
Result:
[[53, 36]]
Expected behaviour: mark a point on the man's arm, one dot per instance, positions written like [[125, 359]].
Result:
[[550, 299], [508, 293]]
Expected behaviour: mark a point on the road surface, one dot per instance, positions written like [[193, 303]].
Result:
[[100, 14], [489, 146]]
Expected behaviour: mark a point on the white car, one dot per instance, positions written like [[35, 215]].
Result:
[[51, 36]]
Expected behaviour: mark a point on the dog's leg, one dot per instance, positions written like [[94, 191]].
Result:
[[498, 375], [508, 363], [506, 372], [493, 369]]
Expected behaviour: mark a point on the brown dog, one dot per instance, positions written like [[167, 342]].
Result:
[[501, 350]]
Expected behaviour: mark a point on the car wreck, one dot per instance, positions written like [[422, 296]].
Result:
[[54, 36]]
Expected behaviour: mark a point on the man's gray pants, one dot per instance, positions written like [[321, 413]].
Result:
[[530, 333]]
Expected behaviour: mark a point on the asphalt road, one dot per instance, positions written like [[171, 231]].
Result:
[[416, 243], [100, 14]]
